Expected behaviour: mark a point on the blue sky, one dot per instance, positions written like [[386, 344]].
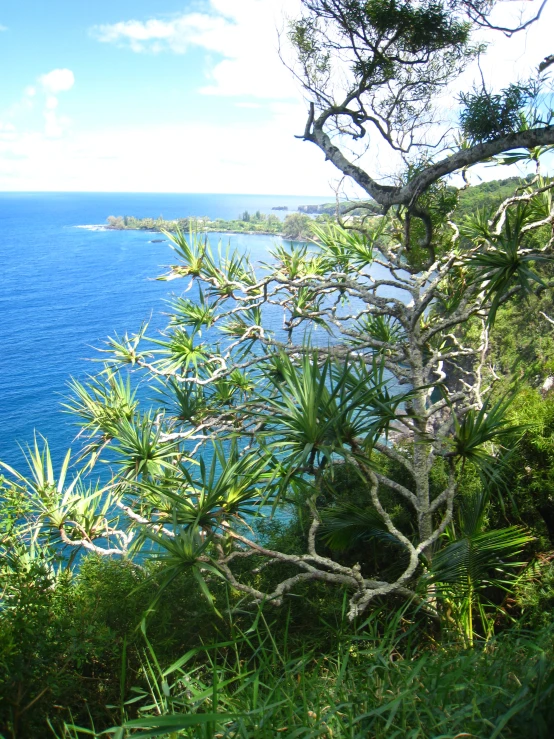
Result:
[[183, 96], [151, 96]]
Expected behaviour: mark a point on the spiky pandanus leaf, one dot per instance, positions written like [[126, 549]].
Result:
[[139, 449], [233, 481], [239, 323], [101, 402], [479, 431], [85, 511], [183, 401], [293, 260], [193, 251], [185, 551], [503, 264], [342, 249], [180, 350], [386, 330], [232, 486], [315, 411], [124, 350], [197, 313]]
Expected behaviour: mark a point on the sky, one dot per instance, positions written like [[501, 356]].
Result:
[[168, 96]]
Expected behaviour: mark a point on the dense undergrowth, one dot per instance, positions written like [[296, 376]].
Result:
[[104, 648], [88, 652]]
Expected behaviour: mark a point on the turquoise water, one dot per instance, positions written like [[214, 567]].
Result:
[[64, 289]]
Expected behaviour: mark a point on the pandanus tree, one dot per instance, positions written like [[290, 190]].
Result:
[[348, 351], [366, 348]]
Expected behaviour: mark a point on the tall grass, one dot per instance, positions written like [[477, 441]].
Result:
[[376, 683]]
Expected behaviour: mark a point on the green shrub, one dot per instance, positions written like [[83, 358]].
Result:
[[535, 595]]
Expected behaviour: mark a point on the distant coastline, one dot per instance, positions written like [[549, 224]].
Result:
[[295, 226]]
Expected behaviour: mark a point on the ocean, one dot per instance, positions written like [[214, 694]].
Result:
[[64, 289]]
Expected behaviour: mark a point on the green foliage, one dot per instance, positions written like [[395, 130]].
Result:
[[347, 525], [254, 678], [57, 508], [503, 264], [249, 677], [183, 400], [375, 451], [384, 329], [522, 342], [31, 641], [255, 685], [479, 430], [389, 33], [434, 209], [245, 223], [344, 250], [101, 402], [277, 417], [522, 352], [534, 596], [194, 313], [531, 467], [64, 637], [486, 196], [297, 227], [474, 563], [486, 116], [323, 407], [140, 451]]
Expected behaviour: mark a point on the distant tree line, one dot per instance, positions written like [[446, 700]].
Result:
[[295, 227]]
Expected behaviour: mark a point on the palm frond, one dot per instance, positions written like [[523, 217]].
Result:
[[345, 526], [196, 313], [480, 560], [342, 249], [180, 350]]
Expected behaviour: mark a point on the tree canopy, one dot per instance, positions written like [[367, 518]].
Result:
[[375, 72]]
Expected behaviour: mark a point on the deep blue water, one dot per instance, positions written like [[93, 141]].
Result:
[[64, 289]]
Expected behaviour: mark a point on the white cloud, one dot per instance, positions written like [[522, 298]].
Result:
[[58, 80], [3, 28], [174, 158], [51, 84], [37, 108], [157, 35], [244, 32], [259, 155], [54, 125]]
